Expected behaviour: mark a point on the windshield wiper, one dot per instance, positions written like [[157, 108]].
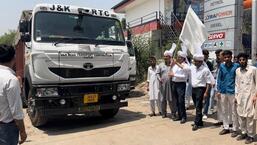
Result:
[[70, 39]]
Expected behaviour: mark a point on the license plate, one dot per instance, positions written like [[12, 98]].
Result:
[[90, 98]]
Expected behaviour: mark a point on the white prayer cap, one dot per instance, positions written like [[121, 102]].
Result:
[[182, 54], [168, 53], [198, 57]]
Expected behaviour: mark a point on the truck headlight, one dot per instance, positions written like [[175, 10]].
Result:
[[132, 78], [47, 92], [123, 87]]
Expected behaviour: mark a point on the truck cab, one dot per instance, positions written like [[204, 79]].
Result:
[[132, 64], [76, 61]]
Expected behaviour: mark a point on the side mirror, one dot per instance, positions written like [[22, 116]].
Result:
[[24, 26], [124, 24], [25, 38], [131, 49]]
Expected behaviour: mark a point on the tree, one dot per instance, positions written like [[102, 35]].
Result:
[[8, 38], [142, 47]]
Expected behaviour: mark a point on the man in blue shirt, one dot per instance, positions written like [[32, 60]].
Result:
[[226, 93]]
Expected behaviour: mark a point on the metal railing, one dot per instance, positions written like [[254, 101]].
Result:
[[170, 25], [144, 19], [167, 29]]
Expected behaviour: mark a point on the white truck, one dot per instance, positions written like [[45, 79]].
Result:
[[71, 60], [133, 65]]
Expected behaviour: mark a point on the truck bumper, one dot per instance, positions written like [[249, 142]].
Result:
[[80, 110], [71, 99]]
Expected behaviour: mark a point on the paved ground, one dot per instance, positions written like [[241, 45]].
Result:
[[131, 126]]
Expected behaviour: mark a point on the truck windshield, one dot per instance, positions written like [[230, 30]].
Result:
[[58, 27]]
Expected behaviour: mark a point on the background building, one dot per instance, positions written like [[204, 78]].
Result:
[[160, 21]]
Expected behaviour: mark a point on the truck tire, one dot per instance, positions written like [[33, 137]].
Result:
[[25, 92], [109, 113], [24, 103], [36, 118], [24, 100]]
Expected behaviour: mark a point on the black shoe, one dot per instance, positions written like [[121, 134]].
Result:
[[249, 140], [195, 127], [241, 137], [234, 134], [183, 121], [224, 131], [152, 114], [164, 115], [218, 124], [160, 113], [199, 125], [173, 116], [176, 119]]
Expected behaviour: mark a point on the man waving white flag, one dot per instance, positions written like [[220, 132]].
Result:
[[193, 33]]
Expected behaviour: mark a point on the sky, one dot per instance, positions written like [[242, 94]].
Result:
[[10, 10]]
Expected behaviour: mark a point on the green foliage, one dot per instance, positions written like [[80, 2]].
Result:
[[142, 47], [167, 45], [8, 38]]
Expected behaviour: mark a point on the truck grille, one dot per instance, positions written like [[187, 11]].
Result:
[[81, 73]]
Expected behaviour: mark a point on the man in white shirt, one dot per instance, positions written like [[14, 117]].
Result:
[[11, 114], [201, 80], [180, 72]]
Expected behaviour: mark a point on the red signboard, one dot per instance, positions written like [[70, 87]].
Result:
[[214, 36]]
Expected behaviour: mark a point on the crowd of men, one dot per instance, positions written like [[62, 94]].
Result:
[[229, 86]]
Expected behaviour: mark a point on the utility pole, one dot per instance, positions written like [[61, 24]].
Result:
[[238, 46], [254, 30]]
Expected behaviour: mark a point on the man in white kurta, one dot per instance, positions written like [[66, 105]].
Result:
[[219, 60], [245, 93], [165, 86], [153, 80]]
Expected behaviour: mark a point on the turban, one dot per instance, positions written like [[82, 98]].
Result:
[[182, 54], [198, 57], [168, 53]]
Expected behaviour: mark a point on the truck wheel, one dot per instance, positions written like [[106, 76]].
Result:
[[24, 100], [109, 113], [24, 103], [36, 118], [25, 92]]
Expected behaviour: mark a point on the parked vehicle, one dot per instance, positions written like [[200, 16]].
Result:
[[72, 60]]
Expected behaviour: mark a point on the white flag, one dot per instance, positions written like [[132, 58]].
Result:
[[193, 33]]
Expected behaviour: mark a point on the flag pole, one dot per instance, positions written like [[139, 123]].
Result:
[[178, 47]]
